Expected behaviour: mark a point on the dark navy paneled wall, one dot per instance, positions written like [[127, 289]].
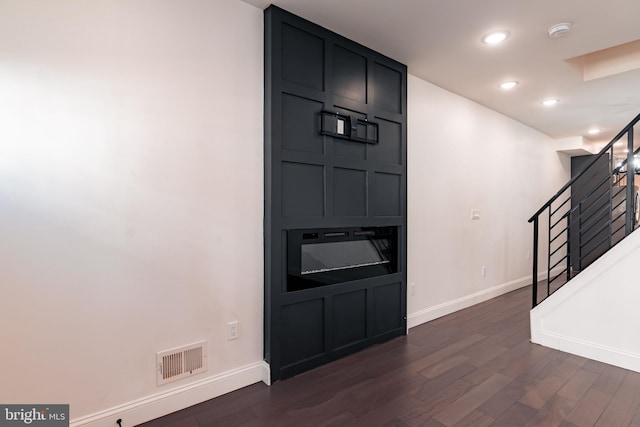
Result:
[[318, 181]]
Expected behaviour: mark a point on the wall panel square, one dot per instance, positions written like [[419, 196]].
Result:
[[349, 192], [302, 57], [302, 190], [387, 194], [389, 148], [387, 308], [301, 124], [303, 331], [349, 74], [388, 88], [349, 318]]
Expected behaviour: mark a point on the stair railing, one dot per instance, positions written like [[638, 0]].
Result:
[[591, 213]]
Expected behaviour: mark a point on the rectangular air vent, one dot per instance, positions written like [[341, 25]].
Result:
[[181, 362]]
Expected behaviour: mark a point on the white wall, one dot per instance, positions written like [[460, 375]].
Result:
[[463, 156], [131, 200], [131, 195], [596, 313]]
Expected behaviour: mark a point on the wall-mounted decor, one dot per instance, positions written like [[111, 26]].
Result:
[[335, 195], [341, 126]]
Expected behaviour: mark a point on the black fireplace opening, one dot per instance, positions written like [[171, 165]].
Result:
[[318, 257]]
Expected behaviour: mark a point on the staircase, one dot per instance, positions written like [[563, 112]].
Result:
[[591, 213]]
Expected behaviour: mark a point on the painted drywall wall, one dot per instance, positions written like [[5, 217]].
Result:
[[596, 313], [130, 194], [463, 156], [131, 199]]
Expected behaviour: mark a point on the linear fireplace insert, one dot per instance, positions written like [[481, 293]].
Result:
[[326, 256]]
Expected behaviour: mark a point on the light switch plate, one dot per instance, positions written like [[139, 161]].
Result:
[[475, 213]]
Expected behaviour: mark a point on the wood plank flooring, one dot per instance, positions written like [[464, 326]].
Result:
[[472, 368]]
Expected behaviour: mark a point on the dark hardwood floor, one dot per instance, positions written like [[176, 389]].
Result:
[[472, 368]]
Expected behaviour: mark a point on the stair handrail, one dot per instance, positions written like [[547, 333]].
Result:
[[573, 267], [606, 148]]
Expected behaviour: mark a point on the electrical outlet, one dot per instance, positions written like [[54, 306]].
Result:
[[412, 289], [484, 271], [232, 330]]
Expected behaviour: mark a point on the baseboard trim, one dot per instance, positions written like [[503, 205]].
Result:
[[431, 313], [175, 399], [590, 350]]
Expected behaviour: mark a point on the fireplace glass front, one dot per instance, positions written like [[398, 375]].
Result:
[[328, 256]]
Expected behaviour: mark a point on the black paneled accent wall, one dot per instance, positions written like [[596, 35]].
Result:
[[335, 180]]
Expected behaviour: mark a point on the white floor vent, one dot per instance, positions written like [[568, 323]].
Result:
[[181, 362]]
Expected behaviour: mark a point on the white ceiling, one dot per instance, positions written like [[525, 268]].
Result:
[[439, 40]]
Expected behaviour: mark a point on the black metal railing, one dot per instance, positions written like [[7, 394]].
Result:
[[591, 213]]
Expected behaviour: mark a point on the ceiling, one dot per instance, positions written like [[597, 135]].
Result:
[[440, 41]]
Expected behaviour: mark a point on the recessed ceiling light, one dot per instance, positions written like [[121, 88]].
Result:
[[495, 37], [593, 131], [549, 102], [508, 85]]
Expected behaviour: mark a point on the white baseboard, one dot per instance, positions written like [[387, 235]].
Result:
[[590, 350], [175, 399], [431, 313]]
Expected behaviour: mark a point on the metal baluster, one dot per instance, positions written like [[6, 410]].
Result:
[[569, 244], [631, 169], [549, 255], [611, 167], [580, 235], [535, 262]]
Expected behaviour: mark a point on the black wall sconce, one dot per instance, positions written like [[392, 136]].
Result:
[[342, 126]]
